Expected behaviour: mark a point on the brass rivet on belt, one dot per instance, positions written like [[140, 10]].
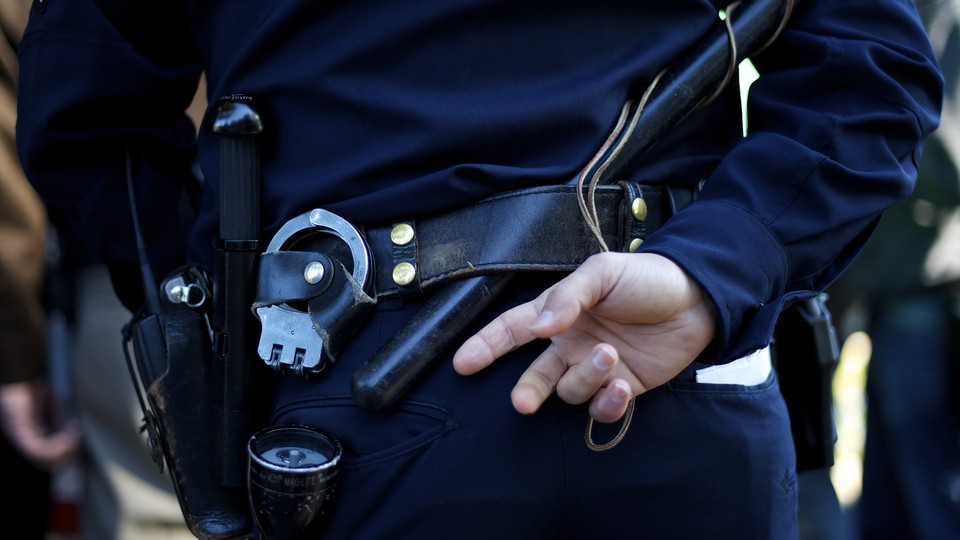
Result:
[[635, 244], [313, 273], [639, 209], [401, 234], [404, 274]]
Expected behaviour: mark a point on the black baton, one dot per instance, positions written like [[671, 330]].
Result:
[[235, 119], [682, 88]]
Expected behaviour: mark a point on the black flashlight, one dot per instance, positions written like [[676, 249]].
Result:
[[292, 479]]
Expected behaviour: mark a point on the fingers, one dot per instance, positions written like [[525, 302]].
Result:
[[537, 382], [584, 379], [610, 403], [51, 451], [603, 305], [21, 421], [563, 303], [591, 380], [502, 335], [550, 314]]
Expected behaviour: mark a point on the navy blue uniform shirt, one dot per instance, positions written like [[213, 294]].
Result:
[[379, 110]]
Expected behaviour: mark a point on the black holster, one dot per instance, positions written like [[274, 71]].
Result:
[[173, 376], [805, 353]]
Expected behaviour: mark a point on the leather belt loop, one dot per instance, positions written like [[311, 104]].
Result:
[[634, 214], [405, 267]]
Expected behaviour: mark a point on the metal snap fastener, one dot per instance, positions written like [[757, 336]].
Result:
[[404, 274], [401, 234]]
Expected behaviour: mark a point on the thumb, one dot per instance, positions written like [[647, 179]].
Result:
[[561, 305]]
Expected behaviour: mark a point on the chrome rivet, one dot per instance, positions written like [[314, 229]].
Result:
[[401, 234], [404, 274], [635, 244], [313, 273], [639, 209]]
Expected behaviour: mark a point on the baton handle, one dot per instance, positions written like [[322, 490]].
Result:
[[696, 77], [383, 380]]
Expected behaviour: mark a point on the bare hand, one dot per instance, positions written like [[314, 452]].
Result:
[[621, 324], [22, 407]]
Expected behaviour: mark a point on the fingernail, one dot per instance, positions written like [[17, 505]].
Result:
[[601, 360], [623, 389]]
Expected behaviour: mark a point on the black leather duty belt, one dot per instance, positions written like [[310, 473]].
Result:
[[535, 229], [321, 276]]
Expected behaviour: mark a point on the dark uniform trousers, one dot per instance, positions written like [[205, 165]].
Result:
[[696, 451]]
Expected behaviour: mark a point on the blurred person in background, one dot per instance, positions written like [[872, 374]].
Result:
[[906, 286], [30, 448]]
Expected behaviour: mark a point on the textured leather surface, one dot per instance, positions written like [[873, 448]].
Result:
[[178, 380], [537, 229]]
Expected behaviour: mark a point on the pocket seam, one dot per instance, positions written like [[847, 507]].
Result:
[[446, 422]]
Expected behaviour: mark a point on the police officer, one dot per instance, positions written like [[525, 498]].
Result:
[[386, 112]]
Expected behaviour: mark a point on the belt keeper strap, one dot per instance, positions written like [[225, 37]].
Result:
[[634, 212], [404, 269]]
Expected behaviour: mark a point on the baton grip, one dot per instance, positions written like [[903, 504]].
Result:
[[433, 332]]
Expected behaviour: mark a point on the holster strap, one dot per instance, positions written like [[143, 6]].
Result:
[[535, 229]]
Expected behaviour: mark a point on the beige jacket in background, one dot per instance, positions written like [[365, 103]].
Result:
[[23, 224]]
